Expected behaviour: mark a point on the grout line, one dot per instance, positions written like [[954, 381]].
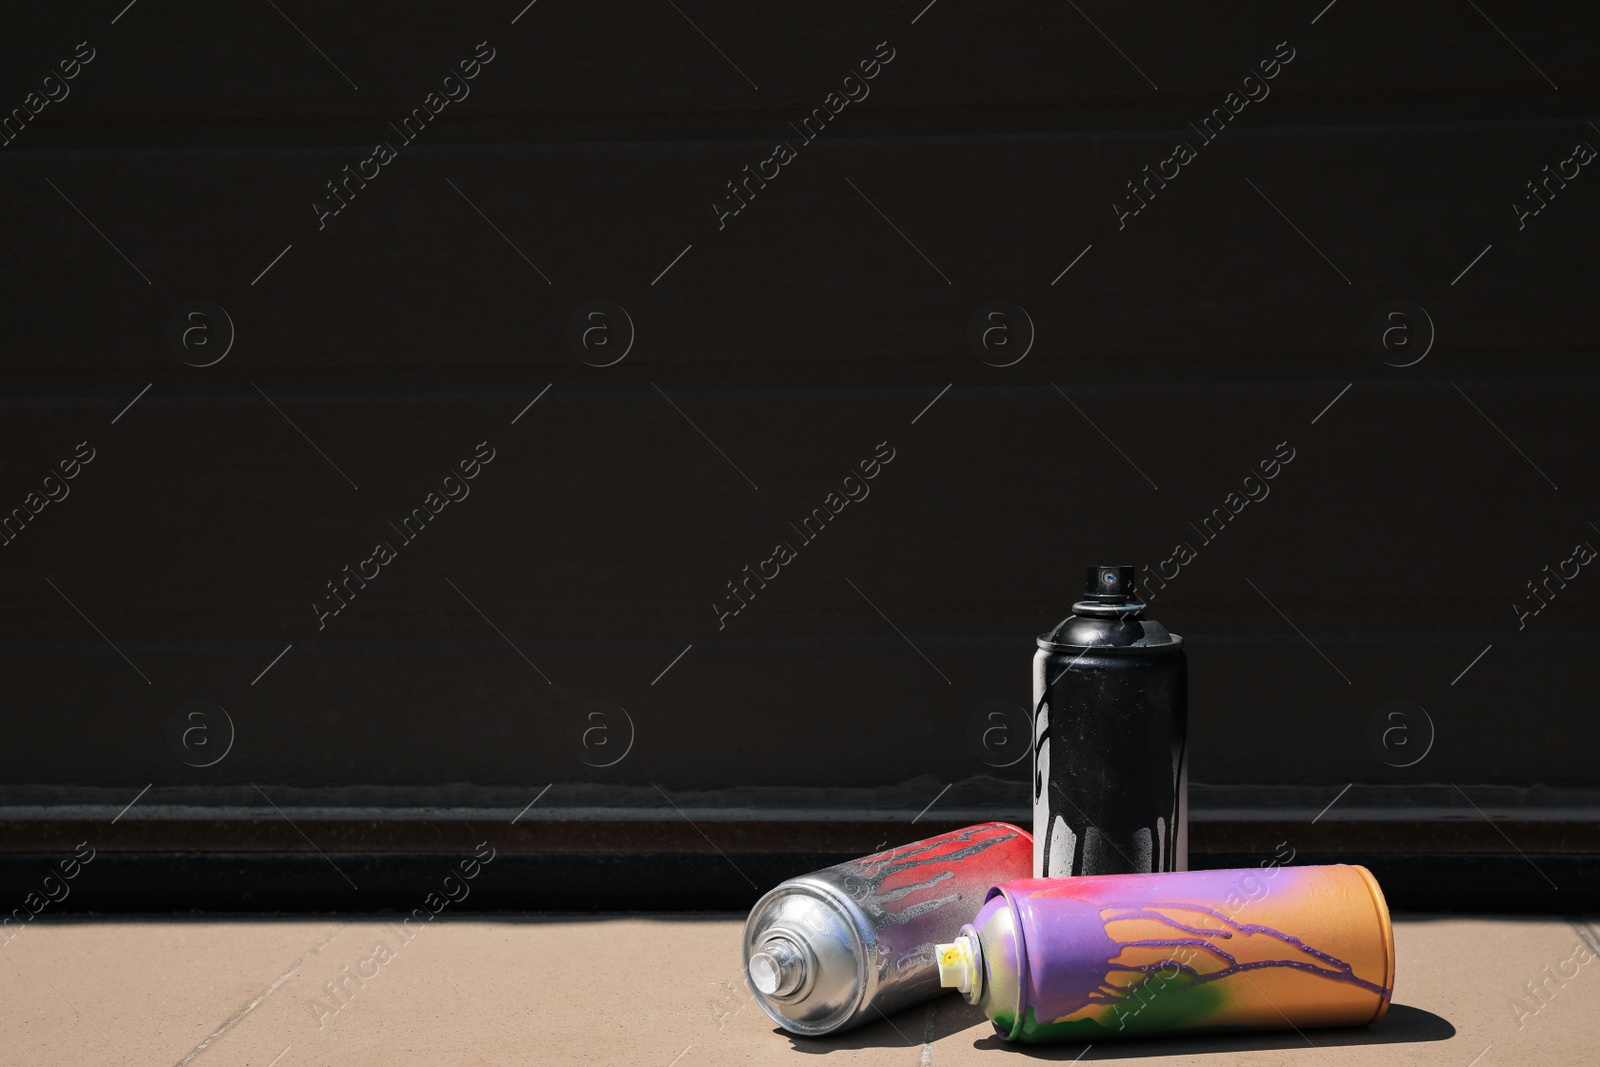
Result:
[[926, 1060], [263, 995], [1586, 932]]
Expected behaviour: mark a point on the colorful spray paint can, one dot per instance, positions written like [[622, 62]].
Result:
[[855, 942], [1082, 959], [1110, 765]]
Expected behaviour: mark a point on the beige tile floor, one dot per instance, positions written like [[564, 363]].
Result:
[[665, 991]]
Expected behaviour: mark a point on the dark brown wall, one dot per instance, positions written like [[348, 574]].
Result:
[[797, 338]]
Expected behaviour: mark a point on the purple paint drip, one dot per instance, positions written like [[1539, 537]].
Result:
[[1083, 983]]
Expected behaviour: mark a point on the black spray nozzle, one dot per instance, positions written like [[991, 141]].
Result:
[[1111, 584]]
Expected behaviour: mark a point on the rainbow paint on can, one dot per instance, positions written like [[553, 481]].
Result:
[[1084, 959], [854, 942]]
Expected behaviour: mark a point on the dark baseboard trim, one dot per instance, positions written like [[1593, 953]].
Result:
[[149, 882], [274, 833]]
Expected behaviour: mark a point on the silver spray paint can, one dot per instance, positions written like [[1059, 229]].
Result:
[[1110, 757], [848, 944]]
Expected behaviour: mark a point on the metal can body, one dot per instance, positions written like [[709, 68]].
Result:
[[1084, 959], [837, 947], [1110, 763], [1110, 770]]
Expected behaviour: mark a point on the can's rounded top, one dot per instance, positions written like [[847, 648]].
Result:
[[805, 958], [999, 944], [1110, 617], [1080, 633]]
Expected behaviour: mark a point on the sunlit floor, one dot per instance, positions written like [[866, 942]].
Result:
[[665, 991]]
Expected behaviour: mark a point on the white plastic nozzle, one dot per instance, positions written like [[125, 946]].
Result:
[[777, 970], [958, 964]]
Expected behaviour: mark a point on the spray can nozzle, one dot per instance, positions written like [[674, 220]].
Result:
[[1112, 584], [778, 969], [961, 965]]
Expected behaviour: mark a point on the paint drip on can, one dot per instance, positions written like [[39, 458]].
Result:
[[1082, 959], [855, 942], [1110, 719]]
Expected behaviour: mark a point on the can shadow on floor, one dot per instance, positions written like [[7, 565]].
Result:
[[1402, 1024], [914, 1027]]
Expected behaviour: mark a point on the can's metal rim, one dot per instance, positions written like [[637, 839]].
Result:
[[1382, 907], [1044, 642], [841, 907], [1019, 945]]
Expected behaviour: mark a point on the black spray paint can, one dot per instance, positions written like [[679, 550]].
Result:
[[1110, 715]]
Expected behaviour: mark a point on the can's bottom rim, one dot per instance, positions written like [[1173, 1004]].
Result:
[[1381, 906]]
